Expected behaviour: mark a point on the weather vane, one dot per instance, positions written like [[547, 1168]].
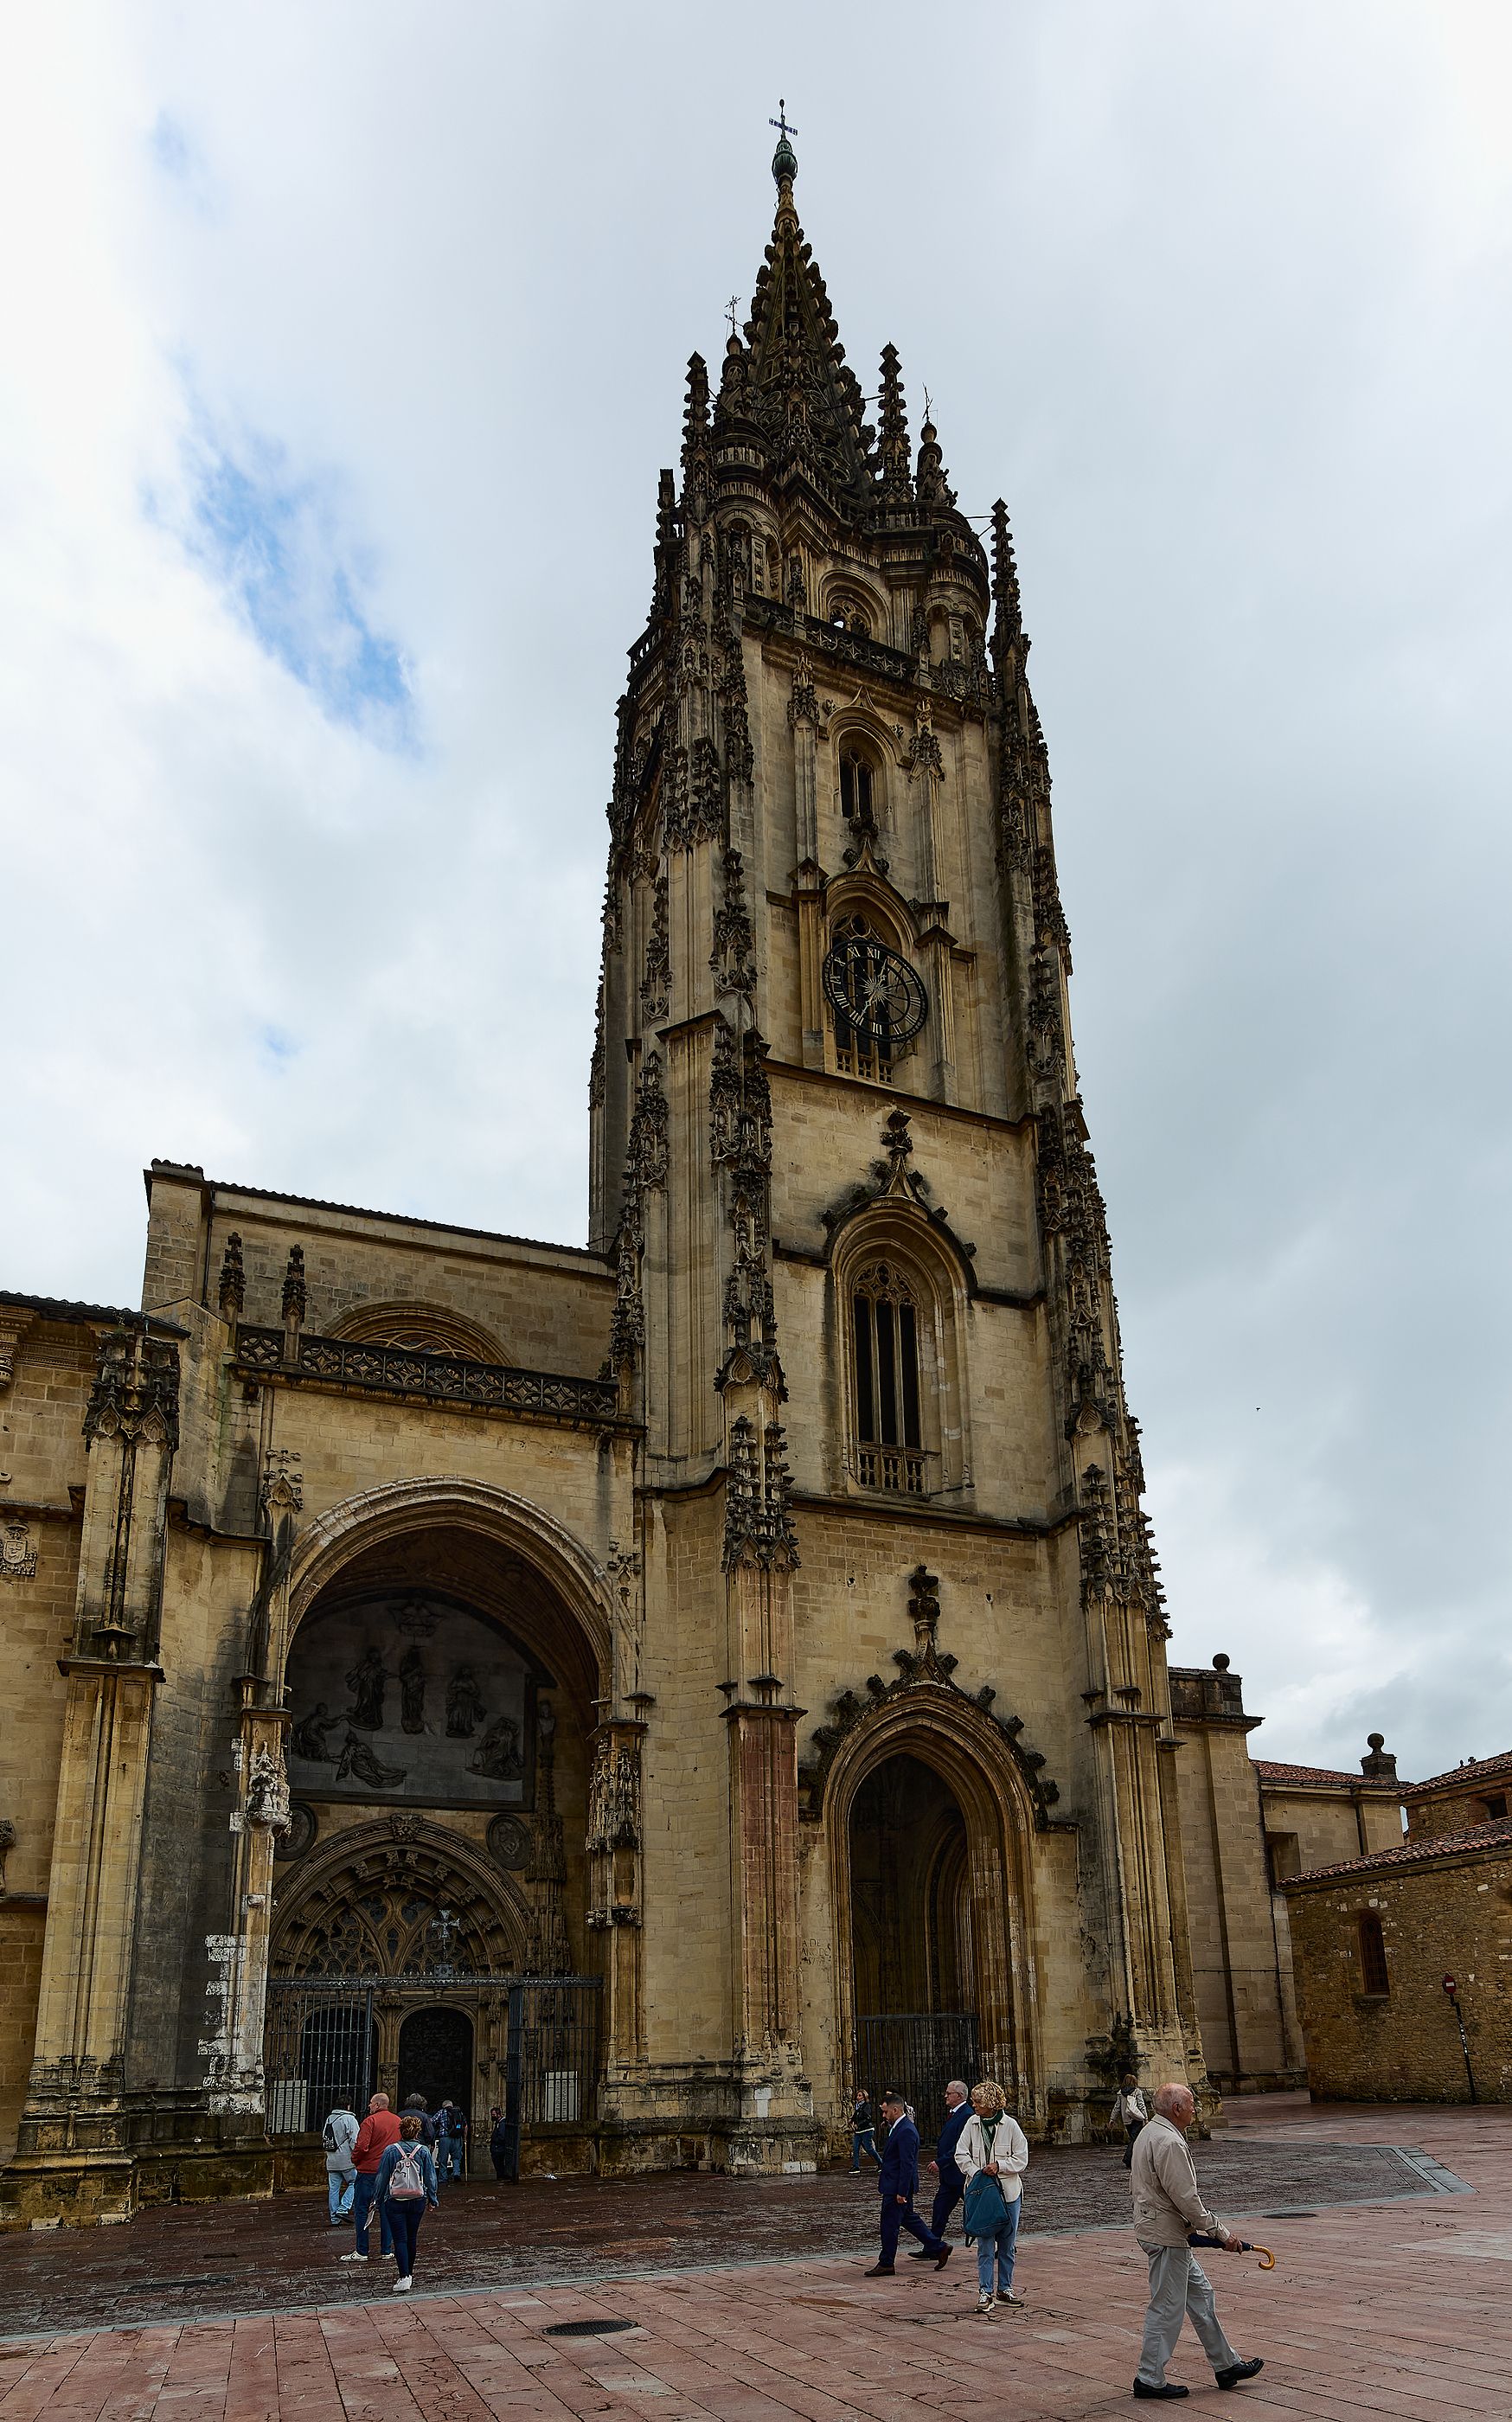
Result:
[[730, 309], [779, 121], [929, 409]]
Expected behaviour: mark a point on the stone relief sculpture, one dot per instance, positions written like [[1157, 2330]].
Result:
[[367, 1685], [267, 1793], [497, 1754], [412, 1681], [307, 1738], [464, 1704], [357, 1759], [18, 1557]]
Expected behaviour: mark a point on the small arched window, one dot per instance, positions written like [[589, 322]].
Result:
[[858, 787], [890, 1451], [1373, 1973]]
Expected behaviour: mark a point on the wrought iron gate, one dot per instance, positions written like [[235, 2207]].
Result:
[[918, 2053], [320, 2048], [551, 2071]]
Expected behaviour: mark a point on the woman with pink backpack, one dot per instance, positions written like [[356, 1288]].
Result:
[[406, 2183]]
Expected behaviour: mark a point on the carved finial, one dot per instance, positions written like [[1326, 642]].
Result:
[[897, 478], [1380, 1765], [696, 410], [1010, 620], [785, 159], [233, 1295], [924, 1607], [295, 1302], [931, 486]]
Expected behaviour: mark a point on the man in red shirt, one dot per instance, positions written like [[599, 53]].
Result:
[[377, 2132]]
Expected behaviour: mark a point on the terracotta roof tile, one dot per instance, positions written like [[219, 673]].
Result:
[[1480, 1769], [1269, 1772], [1417, 1851]]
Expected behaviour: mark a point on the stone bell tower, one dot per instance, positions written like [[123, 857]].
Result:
[[863, 1301]]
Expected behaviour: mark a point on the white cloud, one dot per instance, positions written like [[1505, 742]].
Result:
[[1215, 298]]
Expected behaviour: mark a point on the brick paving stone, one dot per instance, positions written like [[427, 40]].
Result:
[[1376, 2309]]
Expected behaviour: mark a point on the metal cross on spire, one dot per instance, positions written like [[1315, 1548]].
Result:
[[779, 121], [730, 309]]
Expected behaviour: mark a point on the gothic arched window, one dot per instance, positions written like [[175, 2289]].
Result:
[[858, 787], [889, 1446], [1373, 1973]]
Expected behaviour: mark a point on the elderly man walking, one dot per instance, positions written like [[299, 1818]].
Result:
[[1167, 2206]]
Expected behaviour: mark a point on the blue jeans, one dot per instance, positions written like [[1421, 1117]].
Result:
[[863, 2140], [340, 2186], [404, 2215], [362, 2213], [998, 2249]]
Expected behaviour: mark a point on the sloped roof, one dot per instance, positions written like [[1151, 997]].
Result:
[[1270, 1771], [58, 1307], [1419, 1850], [1467, 1778]]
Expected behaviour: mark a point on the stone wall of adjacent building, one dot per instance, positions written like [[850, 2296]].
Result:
[[1477, 1793], [1444, 1910]]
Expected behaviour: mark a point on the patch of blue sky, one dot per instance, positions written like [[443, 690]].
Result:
[[178, 158], [278, 1046], [277, 543]]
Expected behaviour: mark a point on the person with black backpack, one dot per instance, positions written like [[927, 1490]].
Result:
[[338, 2135], [406, 2183]]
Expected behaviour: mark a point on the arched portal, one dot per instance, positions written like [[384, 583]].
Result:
[[911, 1949], [436, 2057], [930, 1818]]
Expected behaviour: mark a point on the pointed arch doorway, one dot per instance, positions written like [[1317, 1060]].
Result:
[[912, 1957]]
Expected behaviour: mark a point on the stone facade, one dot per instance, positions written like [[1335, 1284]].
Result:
[[1478, 1792], [1374, 1941], [752, 1613]]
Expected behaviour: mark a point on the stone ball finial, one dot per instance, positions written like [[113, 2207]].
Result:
[[1375, 1741], [1220, 1663], [784, 164]]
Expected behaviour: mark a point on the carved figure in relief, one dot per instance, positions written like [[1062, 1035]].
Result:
[[307, 1740], [412, 1681], [357, 1759], [267, 1793], [367, 1685], [464, 1704], [497, 1754]]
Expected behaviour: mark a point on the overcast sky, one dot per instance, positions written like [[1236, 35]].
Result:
[[342, 344]]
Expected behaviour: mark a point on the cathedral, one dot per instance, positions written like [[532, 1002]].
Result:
[[646, 1688]]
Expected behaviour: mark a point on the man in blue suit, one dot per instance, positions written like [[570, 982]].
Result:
[[949, 2186], [898, 2179]]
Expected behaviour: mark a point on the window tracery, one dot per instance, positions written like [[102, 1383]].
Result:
[[885, 1321]]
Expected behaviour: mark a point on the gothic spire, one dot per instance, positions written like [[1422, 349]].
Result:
[[802, 397], [1010, 619], [897, 476]]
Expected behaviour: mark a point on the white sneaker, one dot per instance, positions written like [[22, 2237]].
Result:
[[354, 2258], [402, 2286], [986, 2304]]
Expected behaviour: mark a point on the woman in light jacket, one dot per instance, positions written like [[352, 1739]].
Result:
[[407, 2185], [993, 2142]]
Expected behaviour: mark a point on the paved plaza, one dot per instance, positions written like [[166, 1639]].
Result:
[[742, 2306]]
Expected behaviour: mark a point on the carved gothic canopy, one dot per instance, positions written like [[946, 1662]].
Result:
[[412, 1697]]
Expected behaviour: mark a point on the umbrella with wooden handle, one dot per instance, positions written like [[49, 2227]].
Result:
[[1266, 2261]]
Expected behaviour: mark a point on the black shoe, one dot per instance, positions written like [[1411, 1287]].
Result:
[[1233, 2373], [919, 2254], [879, 2271], [943, 2256], [1167, 2388]]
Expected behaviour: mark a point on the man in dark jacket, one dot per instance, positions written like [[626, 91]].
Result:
[[898, 2179], [950, 2185]]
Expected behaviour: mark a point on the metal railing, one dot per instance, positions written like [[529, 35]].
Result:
[[447, 1378], [899, 1468], [917, 2053]]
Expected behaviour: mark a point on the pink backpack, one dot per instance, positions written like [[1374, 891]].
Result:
[[406, 2179]]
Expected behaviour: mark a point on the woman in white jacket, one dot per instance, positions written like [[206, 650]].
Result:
[[993, 2145]]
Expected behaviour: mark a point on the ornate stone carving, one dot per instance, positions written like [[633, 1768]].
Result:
[[18, 1554], [267, 1793], [758, 1528], [136, 1389], [657, 980], [922, 1668], [732, 958], [232, 1294], [283, 1484], [296, 1294], [14, 1324]]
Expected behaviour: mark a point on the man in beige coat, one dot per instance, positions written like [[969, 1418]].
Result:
[[1166, 2203]]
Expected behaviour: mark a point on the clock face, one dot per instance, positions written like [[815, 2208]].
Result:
[[874, 991]]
